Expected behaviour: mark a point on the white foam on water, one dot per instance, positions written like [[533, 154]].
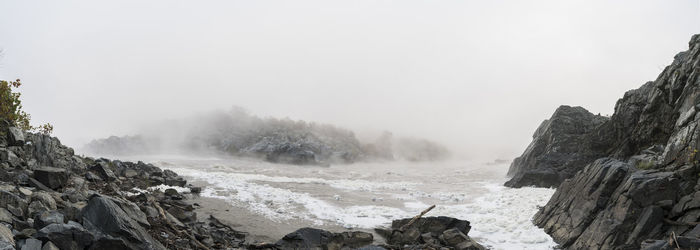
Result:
[[280, 204], [500, 217], [163, 187]]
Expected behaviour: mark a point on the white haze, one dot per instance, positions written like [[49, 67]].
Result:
[[478, 76]]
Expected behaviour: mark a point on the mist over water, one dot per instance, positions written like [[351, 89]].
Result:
[[477, 77], [357, 113]]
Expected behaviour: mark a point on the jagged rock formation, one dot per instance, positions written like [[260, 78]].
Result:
[[282, 141], [430, 233], [558, 149], [53, 199], [648, 186]]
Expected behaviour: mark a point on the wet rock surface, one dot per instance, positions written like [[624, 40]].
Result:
[[644, 193]]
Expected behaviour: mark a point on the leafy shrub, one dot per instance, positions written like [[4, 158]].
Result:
[[11, 109]]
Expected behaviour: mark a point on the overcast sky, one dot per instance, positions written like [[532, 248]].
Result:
[[478, 76]]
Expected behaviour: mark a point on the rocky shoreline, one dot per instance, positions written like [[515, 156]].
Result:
[[51, 198], [629, 181]]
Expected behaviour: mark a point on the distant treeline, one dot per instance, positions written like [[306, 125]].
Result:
[[239, 133]]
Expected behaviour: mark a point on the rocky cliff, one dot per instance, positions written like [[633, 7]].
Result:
[[559, 149], [647, 185]]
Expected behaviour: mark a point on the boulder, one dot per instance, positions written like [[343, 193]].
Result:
[[51, 177], [15, 136], [70, 236], [559, 149], [31, 244], [117, 228], [434, 225], [459, 241], [102, 169], [5, 216], [48, 217], [429, 233], [49, 246], [10, 158], [14, 203], [45, 150], [311, 238], [6, 236]]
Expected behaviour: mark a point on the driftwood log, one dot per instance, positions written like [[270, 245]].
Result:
[[404, 227]]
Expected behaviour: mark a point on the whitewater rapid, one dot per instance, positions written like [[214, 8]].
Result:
[[369, 195]]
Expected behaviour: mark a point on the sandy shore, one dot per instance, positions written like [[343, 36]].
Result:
[[260, 228]]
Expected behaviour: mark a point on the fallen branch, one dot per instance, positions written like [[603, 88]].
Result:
[[404, 227], [675, 240]]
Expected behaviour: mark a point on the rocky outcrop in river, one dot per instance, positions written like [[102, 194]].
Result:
[[645, 192], [559, 149], [237, 133]]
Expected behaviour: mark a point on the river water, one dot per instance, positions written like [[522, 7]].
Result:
[[369, 195]]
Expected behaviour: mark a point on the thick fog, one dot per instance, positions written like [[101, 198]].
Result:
[[477, 76]]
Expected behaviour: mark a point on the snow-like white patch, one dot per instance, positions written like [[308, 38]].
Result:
[[162, 188], [282, 204], [500, 217]]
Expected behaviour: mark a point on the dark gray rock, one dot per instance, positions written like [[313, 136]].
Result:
[[70, 236], [429, 233], [453, 237], [48, 217], [9, 157], [15, 136], [435, 225], [103, 215], [311, 238], [5, 216], [41, 201], [559, 149], [645, 184], [45, 150], [656, 245], [49, 246], [51, 177], [103, 170], [606, 201], [31, 244]]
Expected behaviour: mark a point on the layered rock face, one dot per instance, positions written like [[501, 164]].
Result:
[[647, 186], [559, 149]]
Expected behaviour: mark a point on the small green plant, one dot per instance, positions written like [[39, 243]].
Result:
[[644, 165], [11, 109]]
